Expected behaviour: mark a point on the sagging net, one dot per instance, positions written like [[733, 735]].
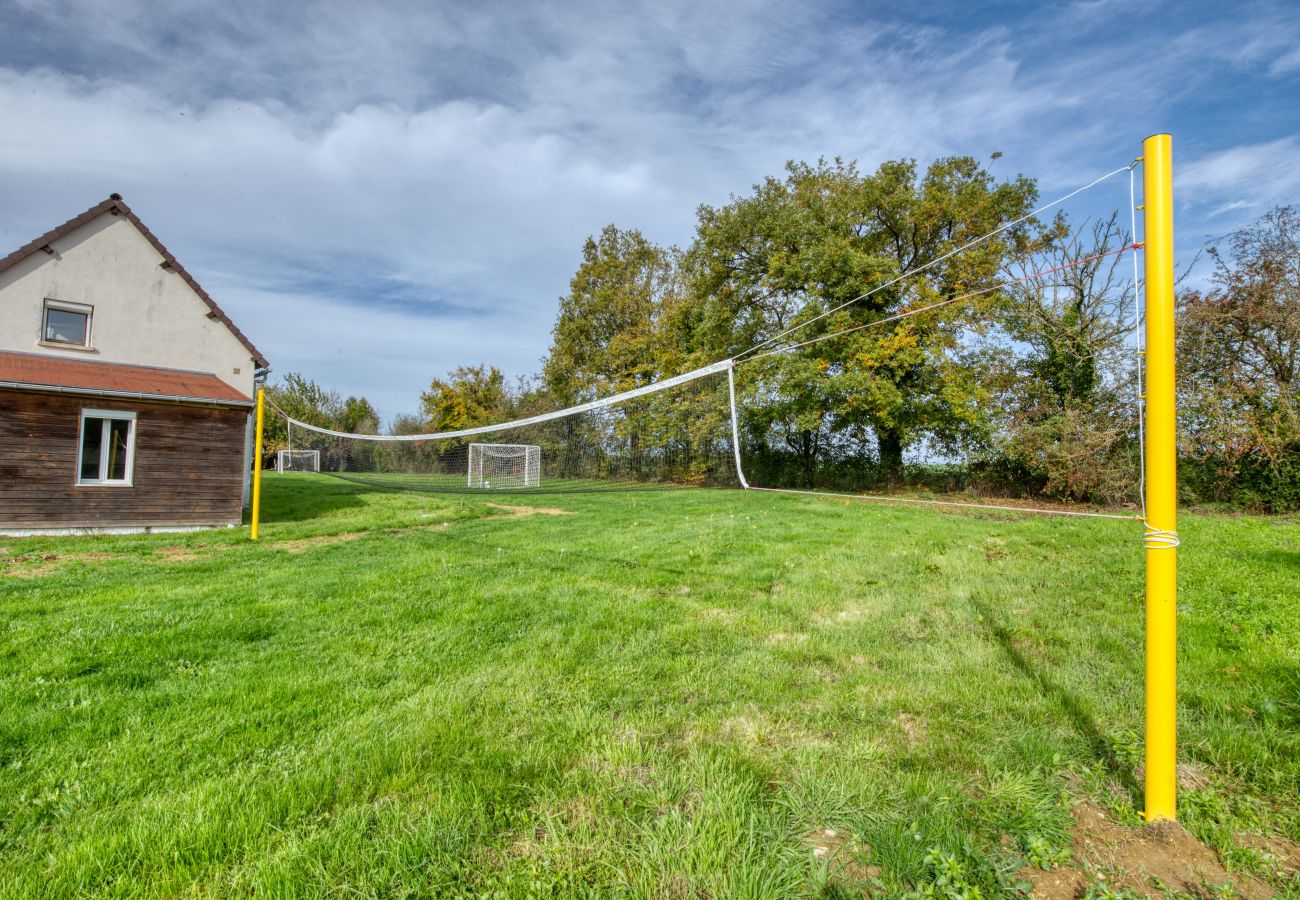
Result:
[[677, 432]]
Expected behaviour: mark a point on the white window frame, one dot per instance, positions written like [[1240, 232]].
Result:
[[107, 415], [84, 309]]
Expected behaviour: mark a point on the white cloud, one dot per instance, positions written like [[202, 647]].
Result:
[[1286, 63], [1246, 177], [378, 193], [386, 355]]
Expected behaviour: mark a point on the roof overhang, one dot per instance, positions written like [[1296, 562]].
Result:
[[124, 395]]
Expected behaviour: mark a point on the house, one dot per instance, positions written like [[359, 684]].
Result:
[[125, 392]]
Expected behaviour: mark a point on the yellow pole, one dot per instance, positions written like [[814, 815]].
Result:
[[257, 463], [1161, 482]]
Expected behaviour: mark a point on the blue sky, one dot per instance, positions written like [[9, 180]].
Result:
[[379, 193]]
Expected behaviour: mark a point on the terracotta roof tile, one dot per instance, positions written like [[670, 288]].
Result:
[[36, 372]]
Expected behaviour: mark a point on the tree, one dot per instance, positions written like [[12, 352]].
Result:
[[824, 235], [609, 332], [305, 400], [1072, 307], [624, 324], [408, 424], [468, 397], [1062, 370], [1239, 352], [357, 416]]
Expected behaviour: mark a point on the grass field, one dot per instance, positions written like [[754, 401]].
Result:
[[678, 693]]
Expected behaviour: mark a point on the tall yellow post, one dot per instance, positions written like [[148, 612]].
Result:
[[1161, 482], [257, 463]]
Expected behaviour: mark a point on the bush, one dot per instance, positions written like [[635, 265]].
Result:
[[1250, 484]]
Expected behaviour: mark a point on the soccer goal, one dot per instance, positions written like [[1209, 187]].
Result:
[[297, 461], [505, 466]]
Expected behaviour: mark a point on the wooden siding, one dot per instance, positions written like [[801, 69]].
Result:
[[189, 464]]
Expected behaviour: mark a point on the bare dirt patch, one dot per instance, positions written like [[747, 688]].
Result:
[[301, 545], [913, 728], [758, 730], [523, 512], [179, 554], [1061, 883], [858, 661], [1283, 852], [1163, 855], [786, 639], [46, 563], [845, 859]]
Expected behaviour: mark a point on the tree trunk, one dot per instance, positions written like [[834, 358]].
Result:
[[808, 457], [890, 444]]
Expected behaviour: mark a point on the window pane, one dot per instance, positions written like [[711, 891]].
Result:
[[119, 433], [92, 436], [61, 325]]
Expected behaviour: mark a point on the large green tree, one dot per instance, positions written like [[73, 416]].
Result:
[[626, 322], [825, 234], [610, 332], [468, 397]]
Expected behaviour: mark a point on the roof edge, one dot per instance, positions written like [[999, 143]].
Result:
[[105, 362], [122, 395], [115, 204]]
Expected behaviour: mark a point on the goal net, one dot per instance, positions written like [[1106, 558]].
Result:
[[505, 466], [297, 461], [675, 432]]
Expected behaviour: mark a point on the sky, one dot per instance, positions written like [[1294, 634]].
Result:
[[378, 193]]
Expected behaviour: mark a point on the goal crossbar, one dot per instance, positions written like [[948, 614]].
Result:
[[284, 459]]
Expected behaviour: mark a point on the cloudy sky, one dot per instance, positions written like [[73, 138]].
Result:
[[379, 193]]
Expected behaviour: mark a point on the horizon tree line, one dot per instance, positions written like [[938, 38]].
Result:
[[1027, 387]]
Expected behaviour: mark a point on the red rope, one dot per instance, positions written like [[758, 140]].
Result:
[[1072, 265]]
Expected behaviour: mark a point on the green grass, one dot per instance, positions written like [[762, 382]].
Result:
[[663, 694]]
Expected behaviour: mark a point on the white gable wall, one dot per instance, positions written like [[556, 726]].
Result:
[[143, 314]]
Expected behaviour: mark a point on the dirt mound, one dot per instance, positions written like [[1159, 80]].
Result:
[[523, 512], [1149, 861]]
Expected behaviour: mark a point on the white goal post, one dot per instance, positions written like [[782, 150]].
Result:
[[297, 461], [497, 466]]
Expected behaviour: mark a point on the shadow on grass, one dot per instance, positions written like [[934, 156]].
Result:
[[298, 500], [1277, 556], [1069, 703]]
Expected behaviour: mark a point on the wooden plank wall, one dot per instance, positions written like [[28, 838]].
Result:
[[188, 465]]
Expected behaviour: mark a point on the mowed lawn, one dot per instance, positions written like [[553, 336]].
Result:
[[665, 693]]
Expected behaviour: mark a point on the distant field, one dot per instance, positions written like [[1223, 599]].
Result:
[[683, 693]]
